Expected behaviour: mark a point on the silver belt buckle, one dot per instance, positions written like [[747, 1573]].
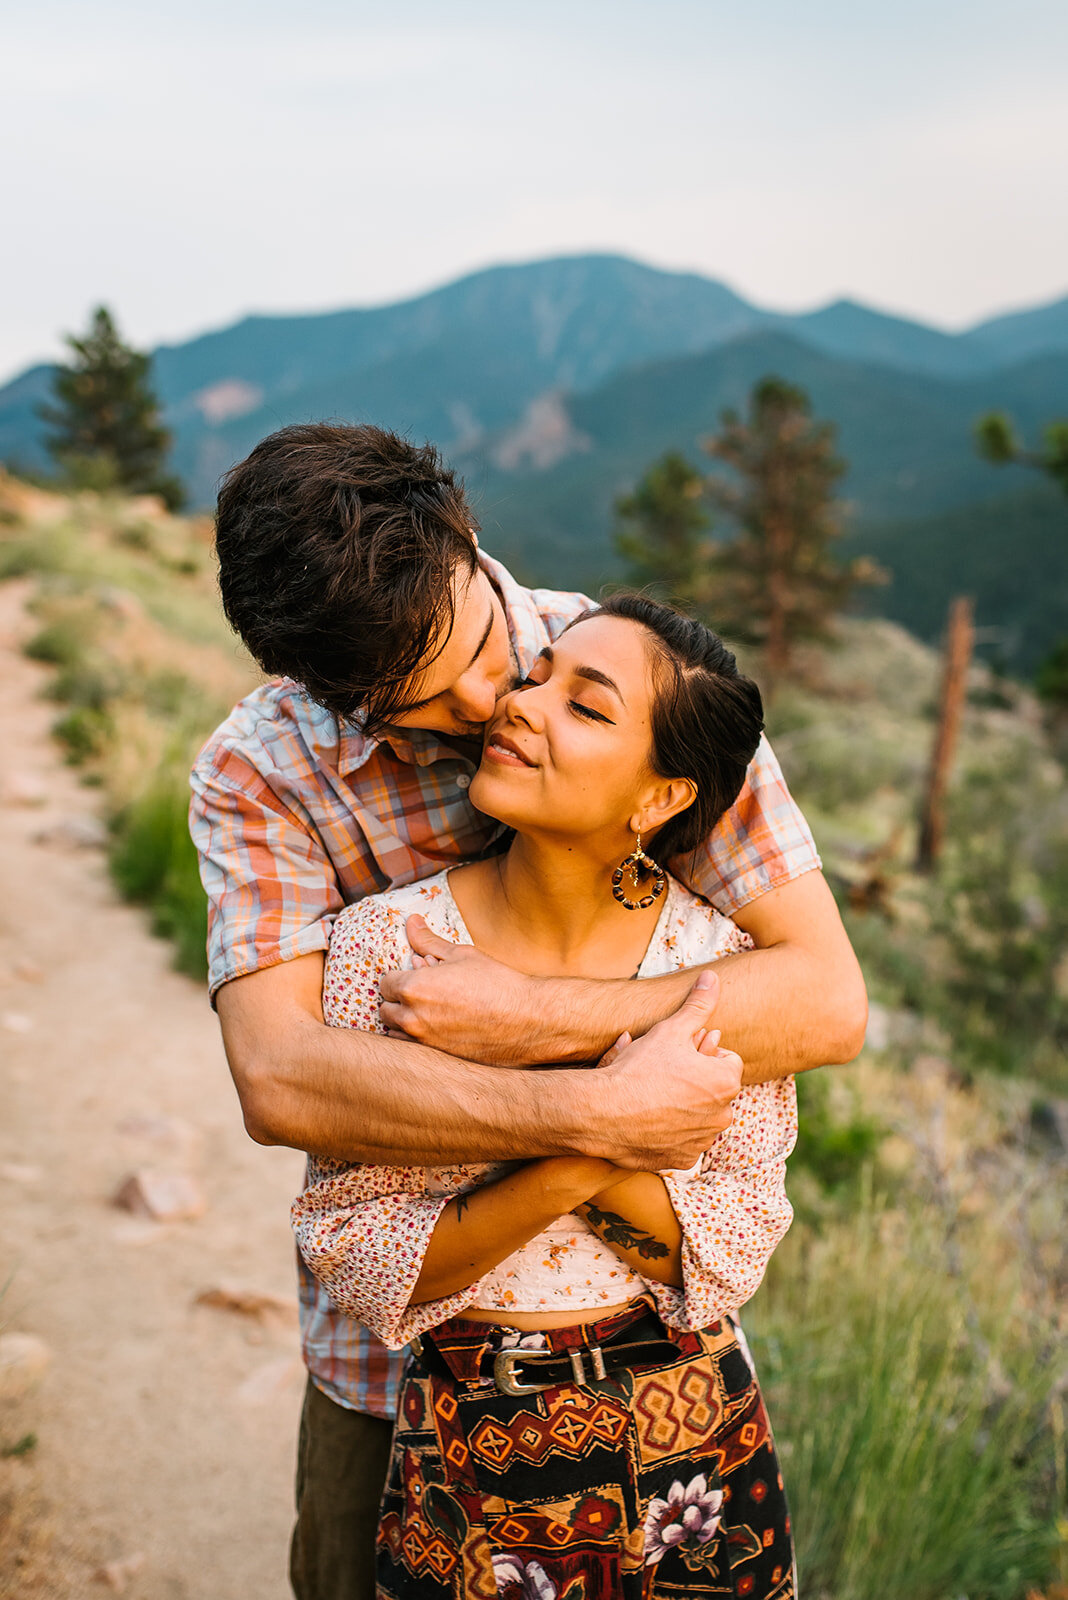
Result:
[[504, 1366]]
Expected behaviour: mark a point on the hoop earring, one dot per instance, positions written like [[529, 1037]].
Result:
[[636, 863]]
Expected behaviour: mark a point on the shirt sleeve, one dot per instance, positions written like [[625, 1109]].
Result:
[[733, 1210], [761, 842], [363, 1231], [272, 892]]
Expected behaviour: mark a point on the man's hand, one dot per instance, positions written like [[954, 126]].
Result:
[[673, 1087], [459, 1000], [795, 1002]]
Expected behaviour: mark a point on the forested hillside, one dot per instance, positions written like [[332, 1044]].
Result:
[[916, 1299], [553, 384]]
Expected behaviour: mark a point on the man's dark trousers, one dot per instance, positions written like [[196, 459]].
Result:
[[342, 1459]]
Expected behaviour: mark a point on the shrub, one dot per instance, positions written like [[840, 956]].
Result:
[[154, 864], [1001, 907], [85, 732], [23, 557], [60, 643], [835, 1148]]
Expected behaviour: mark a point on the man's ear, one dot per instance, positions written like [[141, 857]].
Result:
[[665, 799]]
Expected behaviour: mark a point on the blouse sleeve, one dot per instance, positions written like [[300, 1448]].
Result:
[[364, 1230], [733, 1209]]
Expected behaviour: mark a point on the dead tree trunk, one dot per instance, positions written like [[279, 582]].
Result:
[[960, 636]]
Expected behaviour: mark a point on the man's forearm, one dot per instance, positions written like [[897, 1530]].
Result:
[[358, 1096], [365, 1097], [772, 1009], [796, 1001]]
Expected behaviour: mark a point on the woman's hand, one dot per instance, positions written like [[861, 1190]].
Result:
[[571, 1180]]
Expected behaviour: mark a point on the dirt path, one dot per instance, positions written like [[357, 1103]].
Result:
[[165, 1428]]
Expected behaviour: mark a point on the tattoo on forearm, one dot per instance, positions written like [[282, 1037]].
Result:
[[615, 1229], [462, 1202]]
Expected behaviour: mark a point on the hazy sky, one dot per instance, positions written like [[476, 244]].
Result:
[[189, 162]]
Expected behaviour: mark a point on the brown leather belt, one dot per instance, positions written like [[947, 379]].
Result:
[[517, 1372]]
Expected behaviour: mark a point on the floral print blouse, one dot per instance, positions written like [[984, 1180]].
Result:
[[363, 1230]]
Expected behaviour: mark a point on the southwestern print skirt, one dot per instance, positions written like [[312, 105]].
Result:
[[656, 1481]]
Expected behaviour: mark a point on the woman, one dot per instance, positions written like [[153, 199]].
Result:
[[580, 1420]]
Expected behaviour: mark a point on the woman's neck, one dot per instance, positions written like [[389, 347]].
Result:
[[551, 905]]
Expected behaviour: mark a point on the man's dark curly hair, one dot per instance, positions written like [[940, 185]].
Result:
[[338, 548]]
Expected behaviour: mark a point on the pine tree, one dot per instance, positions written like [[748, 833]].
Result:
[[778, 582], [997, 442], [105, 422], [661, 527]]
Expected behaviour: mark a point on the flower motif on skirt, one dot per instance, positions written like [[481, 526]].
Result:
[[523, 1580], [687, 1518]]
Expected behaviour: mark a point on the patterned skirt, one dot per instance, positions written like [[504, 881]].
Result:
[[657, 1481]]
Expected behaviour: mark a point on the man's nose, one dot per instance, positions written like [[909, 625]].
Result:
[[474, 699]]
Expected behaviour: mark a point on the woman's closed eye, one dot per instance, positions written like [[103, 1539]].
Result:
[[589, 712], [576, 706]]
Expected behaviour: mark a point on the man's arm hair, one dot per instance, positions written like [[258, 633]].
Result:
[[359, 1096]]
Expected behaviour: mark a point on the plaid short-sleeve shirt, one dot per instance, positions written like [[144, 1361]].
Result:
[[295, 816]]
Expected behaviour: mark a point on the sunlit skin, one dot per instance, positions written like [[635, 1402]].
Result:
[[366, 1097], [567, 764], [457, 692]]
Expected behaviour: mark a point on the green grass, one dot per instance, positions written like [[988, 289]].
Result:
[[915, 1467], [21, 1447], [154, 864], [61, 642]]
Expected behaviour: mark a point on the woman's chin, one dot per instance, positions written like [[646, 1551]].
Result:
[[489, 795]]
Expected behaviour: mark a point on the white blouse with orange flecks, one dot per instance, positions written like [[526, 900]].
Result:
[[364, 1230]]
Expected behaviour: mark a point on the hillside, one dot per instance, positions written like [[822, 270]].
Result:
[[918, 497], [467, 359], [554, 383], [929, 1174]]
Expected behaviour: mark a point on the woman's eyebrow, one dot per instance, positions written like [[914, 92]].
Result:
[[596, 676], [593, 674]]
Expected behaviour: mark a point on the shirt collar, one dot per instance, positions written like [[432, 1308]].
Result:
[[419, 746]]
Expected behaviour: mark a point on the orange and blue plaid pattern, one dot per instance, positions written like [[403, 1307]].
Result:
[[295, 816]]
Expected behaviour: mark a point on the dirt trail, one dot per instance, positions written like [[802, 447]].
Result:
[[165, 1429]]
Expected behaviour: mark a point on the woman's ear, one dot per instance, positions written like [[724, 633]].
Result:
[[665, 799]]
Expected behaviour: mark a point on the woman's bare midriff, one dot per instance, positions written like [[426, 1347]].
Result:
[[536, 1321]]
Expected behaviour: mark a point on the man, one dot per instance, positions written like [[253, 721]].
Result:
[[349, 565]]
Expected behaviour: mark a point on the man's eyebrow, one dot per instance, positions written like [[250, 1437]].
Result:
[[484, 639], [593, 674], [417, 705]]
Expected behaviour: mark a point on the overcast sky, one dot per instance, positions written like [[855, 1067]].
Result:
[[189, 162]]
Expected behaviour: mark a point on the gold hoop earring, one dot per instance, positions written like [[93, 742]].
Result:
[[637, 863]]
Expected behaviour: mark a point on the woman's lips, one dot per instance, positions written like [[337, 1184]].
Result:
[[506, 752]]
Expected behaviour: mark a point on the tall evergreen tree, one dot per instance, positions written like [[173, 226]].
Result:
[[778, 582], [105, 421], [661, 528]]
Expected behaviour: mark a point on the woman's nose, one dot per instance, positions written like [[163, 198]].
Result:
[[524, 706]]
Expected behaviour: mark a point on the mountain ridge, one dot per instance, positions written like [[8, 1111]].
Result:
[[464, 359], [553, 384]]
